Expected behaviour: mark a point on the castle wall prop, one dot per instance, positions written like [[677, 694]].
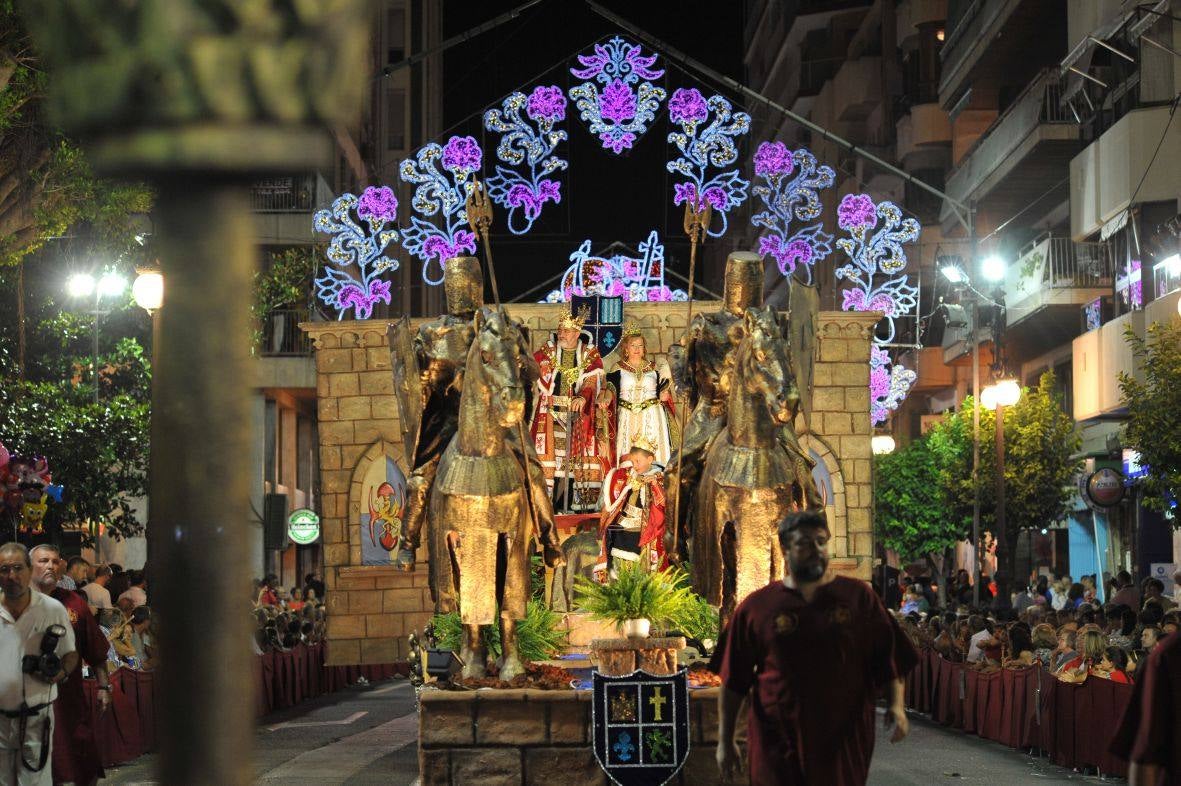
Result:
[[373, 607]]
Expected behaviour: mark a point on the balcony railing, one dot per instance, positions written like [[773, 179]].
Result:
[[1056, 263], [281, 336], [283, 194]]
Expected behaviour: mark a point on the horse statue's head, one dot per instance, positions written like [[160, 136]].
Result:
[[494, 359], [764, 365]]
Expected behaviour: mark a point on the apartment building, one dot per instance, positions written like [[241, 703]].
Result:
[[402, 111], [1045, 117]]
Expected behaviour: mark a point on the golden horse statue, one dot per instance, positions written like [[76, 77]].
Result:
[[485, 533], [754, 473]]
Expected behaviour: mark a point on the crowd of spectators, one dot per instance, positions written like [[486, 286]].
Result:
[[285, 617], [118, 599], [1059, 624]]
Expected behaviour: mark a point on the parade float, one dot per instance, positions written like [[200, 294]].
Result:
[[486, 513]]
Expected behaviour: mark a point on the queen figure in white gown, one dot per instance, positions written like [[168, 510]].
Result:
[[636, 398]]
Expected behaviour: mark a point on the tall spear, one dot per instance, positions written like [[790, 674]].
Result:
[[696, 223], [479, 218]]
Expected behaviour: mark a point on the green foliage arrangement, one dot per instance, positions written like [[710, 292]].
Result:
[[285, 282], [698, 620], [1154, 412], [661, 597], [540, 635]]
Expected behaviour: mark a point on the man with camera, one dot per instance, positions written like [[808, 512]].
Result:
[[36, 654], [76, 758]]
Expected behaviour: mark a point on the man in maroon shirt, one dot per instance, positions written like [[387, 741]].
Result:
[[812, 651], [1149, 735], [75, 748]]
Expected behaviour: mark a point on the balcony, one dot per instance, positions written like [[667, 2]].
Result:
[[857, 89], [283, 208], [933, 374], [1051, 280], [285, 352], [1106, 174], [1023, 153]]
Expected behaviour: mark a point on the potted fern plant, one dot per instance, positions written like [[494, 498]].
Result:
[[634, 599]]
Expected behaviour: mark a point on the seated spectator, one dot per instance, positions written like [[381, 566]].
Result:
[[914, 601], [1127, 627], [1058, 592], [1094, 646], [1021, 649], [1044, 641], [1154, 590], [1152, 613], [979, 631], [1150, 637], [1171, 622], [296, 601], [137, 592], [1074, 596], [1065, 652], [96, 591], [1113, 666]]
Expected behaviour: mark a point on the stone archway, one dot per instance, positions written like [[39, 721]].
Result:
[[367, 476], [828, 472]]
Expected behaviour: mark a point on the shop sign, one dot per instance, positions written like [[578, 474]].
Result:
[[303, 526], [1105, 488]]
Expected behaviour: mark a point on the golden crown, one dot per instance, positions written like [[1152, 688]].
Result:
[[641, 442], [574, 321], [631, 328]]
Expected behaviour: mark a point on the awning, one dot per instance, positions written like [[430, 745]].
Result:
[[1137, 19]]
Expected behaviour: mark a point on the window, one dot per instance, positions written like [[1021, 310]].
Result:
[[395, 119], [395, 35]]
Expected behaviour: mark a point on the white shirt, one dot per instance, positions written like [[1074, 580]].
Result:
[[22, 637], [975, 654], [136, 595], [99, 596]]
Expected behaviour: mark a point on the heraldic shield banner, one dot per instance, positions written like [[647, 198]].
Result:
[[641, 726]]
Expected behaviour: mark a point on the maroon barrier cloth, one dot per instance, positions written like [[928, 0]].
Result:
[[282, 679], [1025, 708]]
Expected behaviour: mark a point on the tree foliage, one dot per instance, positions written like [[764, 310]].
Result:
[[97, 451], [46, 184], [1154, 411]]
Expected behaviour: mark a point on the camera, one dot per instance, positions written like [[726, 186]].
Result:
[[47, 665]]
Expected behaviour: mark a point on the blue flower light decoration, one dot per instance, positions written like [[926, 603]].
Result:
[[358, 247], [444, 194], [876, 254], [523, 143], [790, 191], [704, 147], [621, 113]]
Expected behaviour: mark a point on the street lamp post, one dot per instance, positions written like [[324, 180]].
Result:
[[148, 294], [81, 285], [997, 396]]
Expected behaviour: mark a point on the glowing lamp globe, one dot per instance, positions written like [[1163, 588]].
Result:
[[148, 290], [881, 444], [80, 285], [1005, 393]]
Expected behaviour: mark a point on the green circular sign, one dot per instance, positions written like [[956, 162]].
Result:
[[303, 526]]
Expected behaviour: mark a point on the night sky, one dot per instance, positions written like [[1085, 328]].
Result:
[[605, 197]]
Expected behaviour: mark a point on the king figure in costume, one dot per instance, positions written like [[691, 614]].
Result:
[[631, 523], [563, 425]]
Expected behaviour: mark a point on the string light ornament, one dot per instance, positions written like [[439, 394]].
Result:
[[442, 192], [358, 244], [790, 191], [529, 141], [707, 142], [619, 114], [876, 262], [637, 278]]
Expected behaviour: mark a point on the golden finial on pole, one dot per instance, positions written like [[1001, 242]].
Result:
[[479, 218], [696, 225]]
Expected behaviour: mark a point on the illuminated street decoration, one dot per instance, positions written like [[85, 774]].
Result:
[[634, 278], [357, 244], [876, 262], [528, 140], [888, 384], [707, 146], [626, 105], [445, 193], [791, 193]]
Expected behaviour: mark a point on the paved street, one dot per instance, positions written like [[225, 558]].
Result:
[[368, 735]]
